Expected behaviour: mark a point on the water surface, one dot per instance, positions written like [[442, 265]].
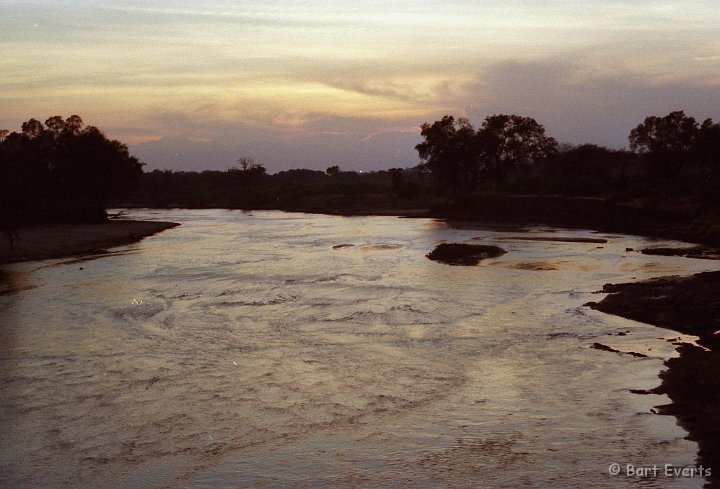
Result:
[[268, 349]]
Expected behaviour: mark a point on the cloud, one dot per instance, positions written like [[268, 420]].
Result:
[[320, 140], [306, 84], [579, 105]]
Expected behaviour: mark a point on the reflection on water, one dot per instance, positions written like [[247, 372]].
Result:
[[292, 350]]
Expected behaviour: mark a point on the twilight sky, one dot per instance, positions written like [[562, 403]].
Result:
[[196, 84]]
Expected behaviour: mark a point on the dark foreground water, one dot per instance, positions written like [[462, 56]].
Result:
[[250, 350]]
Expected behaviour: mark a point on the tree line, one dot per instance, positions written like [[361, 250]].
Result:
[[297, 189], [670, 157], [64, 170], [669, 154]]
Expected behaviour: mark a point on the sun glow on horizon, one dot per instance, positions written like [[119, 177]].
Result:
[[220, 68]]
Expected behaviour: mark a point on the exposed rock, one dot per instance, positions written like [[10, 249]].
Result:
[[704, 252], [464, 254]]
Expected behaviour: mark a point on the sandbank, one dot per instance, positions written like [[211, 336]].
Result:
[[45, 241]]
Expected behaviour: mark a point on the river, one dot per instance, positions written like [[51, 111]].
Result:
[[270, 349]]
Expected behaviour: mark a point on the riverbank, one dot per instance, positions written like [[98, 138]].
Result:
[[689, 305], [665, 220], [58, 240]]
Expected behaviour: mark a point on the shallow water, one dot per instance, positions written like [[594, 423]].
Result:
[[250, 350]]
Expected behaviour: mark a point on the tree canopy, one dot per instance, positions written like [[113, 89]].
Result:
[[673, 134], [452, 152], [676, 139], [63, 171], [509, 139], [460, 157]]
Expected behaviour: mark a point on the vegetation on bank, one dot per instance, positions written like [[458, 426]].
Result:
[[673, 159], [291, 189], [64, 171]]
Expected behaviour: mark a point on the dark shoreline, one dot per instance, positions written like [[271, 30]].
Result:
[[689, 305], [41, 242], [688, 223]]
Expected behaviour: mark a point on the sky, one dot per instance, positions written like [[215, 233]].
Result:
[[193, 85]]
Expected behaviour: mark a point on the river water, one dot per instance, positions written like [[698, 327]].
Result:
[[250, 350]]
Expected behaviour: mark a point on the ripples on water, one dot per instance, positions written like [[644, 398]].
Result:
[[260, 353]]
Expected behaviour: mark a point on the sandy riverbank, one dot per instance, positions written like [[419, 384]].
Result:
[[59, 240], [689, 305]]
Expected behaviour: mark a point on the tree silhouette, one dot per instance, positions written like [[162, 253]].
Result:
[[246, 163], [509, 139], [55, 124], [247, 175], [62, 171], [452, 153], [73, 124], [667, 141], [32, 128], [459, 156]]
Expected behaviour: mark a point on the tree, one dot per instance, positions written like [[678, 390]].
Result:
[[55, 124], [672, 134], [452, 153], [62, 171], [73, 124], [247, 175], [509, 139], [246, 162], [333, 170], [460, 157], [93, 168], [667, 141], [588, 169], [32, 128]]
